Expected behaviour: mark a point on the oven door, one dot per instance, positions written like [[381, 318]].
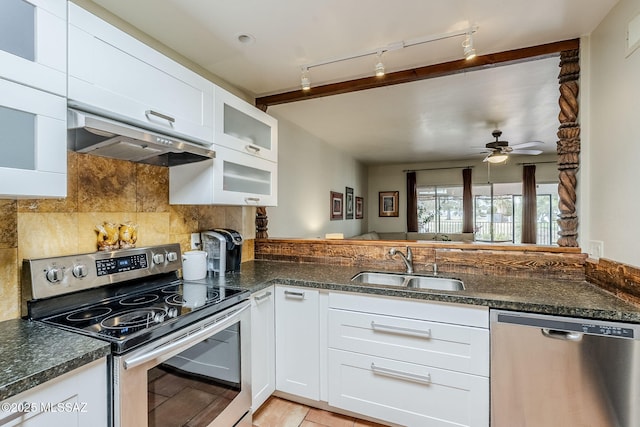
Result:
[[197, 376]]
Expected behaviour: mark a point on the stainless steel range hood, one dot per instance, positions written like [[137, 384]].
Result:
[[100, 136]]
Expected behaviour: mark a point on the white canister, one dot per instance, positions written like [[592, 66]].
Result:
[[194, 265]]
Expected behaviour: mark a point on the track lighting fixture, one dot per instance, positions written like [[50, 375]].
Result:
[[467, 44], [379, 68], [305, 82]]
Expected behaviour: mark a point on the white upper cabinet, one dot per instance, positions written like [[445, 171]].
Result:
[[33, 110], [232, 178], [33, 142], [33, 43], [114, 74], [245, 170], [244, 128]]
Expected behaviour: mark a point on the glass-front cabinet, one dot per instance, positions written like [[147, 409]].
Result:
[[33, 43], [33, 159], [245, 170], [242, 127]]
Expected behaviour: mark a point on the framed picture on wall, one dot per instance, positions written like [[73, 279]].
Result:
[[336, 205], [349, 203], [359, 208], [388, 203]]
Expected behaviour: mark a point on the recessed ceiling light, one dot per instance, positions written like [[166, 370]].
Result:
[[245, 38]]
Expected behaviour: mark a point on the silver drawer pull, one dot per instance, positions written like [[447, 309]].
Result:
[[422, 379], [400, 330], [252, 148], [292, 294], [170, 119], [263, 296], [252, 199], [17, 414]]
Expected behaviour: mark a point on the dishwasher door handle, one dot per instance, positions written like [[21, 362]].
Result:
[[561, 335]]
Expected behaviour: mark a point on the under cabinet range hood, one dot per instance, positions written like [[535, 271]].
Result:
[[100, 136]]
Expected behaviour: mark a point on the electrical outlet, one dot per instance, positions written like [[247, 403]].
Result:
[[596, 249], [195, 241]]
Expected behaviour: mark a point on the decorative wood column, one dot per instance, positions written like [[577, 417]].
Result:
[[261, 223], [568, 146]]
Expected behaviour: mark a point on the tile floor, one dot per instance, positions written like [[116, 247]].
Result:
[[277, 412]]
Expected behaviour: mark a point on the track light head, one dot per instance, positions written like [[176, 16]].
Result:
[[469, 50], [305, 81], [379, 68]]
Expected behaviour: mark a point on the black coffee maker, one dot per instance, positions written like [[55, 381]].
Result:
[[224, 250]]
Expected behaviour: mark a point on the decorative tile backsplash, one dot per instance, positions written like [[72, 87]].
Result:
[[103, 190]]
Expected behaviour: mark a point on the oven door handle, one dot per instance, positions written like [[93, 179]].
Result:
[[185, 342]]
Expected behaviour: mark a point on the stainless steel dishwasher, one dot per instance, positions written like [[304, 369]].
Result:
[[549, 371]]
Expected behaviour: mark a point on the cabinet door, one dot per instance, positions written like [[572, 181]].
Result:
[[263, 346], [406, 393], [33, 43], [232, 178], [297, 341], [242, 127], [113, 74], [75, 399], [33, 142]]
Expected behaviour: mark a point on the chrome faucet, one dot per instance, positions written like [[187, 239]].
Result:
[[408, 259]]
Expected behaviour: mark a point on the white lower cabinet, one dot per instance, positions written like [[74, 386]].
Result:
[[298, 341], [263, 346], [75, 399], [407, 362]]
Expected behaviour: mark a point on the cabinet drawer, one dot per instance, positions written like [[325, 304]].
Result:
[[113, 74], [459, 314], [405, 393], [459, 348]]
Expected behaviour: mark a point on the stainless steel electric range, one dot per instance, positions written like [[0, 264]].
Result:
[[172, 341]]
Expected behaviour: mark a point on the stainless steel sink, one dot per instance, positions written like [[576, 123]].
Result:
[[393, 279], [411, 281], [439, 283]]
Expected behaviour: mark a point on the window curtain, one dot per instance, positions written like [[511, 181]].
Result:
[[467, 202], [529, 204], [412, 202]]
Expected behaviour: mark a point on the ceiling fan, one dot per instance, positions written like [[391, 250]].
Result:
[[499, 150]]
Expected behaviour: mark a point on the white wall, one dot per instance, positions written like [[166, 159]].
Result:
[[308, 169], [392, 178], [613, 199]]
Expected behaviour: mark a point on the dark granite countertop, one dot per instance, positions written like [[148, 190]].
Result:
[[32, 353], [549, 296]]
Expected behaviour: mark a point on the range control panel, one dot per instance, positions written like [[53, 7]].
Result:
[[47, 277], [121, 264]]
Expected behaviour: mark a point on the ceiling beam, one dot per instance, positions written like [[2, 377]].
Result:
[[430, 71]]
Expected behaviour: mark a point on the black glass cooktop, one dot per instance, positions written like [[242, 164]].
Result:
[[133, 319]]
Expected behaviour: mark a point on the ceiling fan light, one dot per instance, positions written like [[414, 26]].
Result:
[[497, 157]]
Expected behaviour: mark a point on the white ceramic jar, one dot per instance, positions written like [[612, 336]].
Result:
[[194, 265]]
